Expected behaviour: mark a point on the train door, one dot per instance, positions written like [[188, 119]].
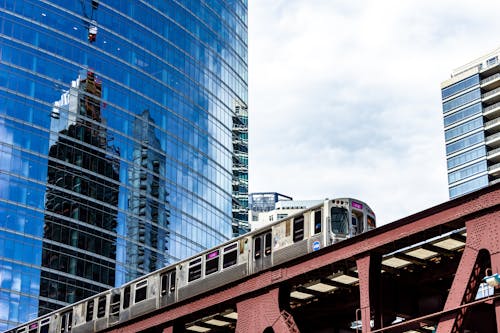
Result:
[[66, 321], [357, 223], [262, 247]]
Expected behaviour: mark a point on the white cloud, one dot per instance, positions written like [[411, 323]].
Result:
[[345, 96]]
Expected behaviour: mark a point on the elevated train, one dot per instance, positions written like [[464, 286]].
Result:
[[289, 238]]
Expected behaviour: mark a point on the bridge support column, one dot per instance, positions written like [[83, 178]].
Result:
[[260, 312], [483, 233], [369, 283]]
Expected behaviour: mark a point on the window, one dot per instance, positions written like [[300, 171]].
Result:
[[462, 114], [465, 142], [467, 171], [466, 157], [491, 61], [90, 310], [172, 281], [167, 282], [463, 128], [126, 297], [164, 283], [460, 86], [33, 328], [357, 225], [66, 322], [230, 255], [469, 186], [461, 100], [141, 289], [115, 304], [257, 247], [339, 220], [371, 222], [194, 272], [298, 229], [212, 262], [101, 307], [44, 324], [267, 244], [317, 222]]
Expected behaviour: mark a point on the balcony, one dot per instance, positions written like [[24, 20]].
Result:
[[493, 141], [492, 125], [494, 155], [491, 82], [494, 170], [492, 111], [491, 97]]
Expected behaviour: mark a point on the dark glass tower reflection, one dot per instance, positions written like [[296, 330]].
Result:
[[81, 201], [121, 148]]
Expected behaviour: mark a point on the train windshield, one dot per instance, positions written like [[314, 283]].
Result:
[[340, 220]]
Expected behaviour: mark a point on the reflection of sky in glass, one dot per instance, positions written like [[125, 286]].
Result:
[[179, 69]]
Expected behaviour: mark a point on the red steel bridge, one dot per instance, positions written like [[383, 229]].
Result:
[[422, 273]]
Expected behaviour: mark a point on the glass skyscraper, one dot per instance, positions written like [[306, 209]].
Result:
[[471, 110], [123, 142]]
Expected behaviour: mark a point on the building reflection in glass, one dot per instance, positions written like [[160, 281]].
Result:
[[148, 216], [79, 246]]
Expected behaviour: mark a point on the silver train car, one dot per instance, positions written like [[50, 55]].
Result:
[[282, 241]]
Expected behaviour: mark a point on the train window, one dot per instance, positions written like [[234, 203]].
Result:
[[317, 222], [339, 220], [44, 325], [66, 321], [371, 222], [230, 256], [33, 328], [194, 272], [212, 262], [164, 283], [354, 223], [298, 229], [101, 307], [361, 226], [115, 304], [90, 310], [267, 244], [257, 247], [70, 320], [172, 281], [141, 289], [126, 297]]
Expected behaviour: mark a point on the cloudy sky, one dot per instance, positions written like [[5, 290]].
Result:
[[345, 96]]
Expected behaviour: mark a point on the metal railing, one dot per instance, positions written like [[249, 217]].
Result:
[[492, 122], [490, 138], [489, 93], [493, 152], [491, 78], [494, 167], [491, 107]]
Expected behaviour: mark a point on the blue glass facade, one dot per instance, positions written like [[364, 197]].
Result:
[[116, 141], [471, 112]]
